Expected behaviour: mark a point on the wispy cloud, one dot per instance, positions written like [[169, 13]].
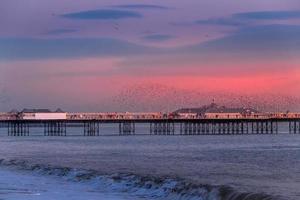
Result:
[[221, 21], [250, 18], [259, 49], [142, 6], [257, 42], [268, 15], [102, 14], [269, 41], [60, 31], [157, 37], [30, 49]]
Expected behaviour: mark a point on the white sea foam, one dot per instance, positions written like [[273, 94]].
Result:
[[19, 185], [116, 186]]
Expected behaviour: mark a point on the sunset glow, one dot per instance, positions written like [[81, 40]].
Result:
[[104, 55]]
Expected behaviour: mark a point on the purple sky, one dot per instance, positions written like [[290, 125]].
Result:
[[90, 55]]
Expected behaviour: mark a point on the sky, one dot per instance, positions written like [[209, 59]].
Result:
[[142, 55]]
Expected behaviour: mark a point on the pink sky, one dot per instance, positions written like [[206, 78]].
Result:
[[104, 56]]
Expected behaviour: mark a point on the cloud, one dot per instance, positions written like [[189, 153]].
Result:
[[60, 31], [29, 48], [102, 14], [269, 15], [221, 21], [248, 18], [244, 51], [183, 23], [158, 37], [142, 6], [255, 42]]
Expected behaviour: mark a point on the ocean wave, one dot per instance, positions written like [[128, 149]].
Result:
[[144, 186]]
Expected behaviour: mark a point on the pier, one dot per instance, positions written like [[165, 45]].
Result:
[[43, 122], [126, 127]]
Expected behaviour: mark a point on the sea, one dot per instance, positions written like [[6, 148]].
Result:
[[141, 166]]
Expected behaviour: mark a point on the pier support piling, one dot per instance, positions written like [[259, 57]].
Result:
[[127, 128], [163, 128], [55, 128], [91, 128], [18, 128], [294, 127]]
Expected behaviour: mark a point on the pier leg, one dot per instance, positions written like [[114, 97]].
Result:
[[132, 128], [261, 127], [159, 126], [126, 128], [164, 126], [213, 127], [228, 128], [223, 128], [272, 125], [234, 128], [180, 129], [185, 128], [55, 128], [151, 129], [257, 127], [202, 128], [120, 128], [173, 128], [18, 129], [155, 128], [207, 128], [190, 128], [242, 128]]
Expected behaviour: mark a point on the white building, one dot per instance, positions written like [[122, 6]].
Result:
[[42, 114]]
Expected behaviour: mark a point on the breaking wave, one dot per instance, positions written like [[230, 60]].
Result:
[[144, 186]]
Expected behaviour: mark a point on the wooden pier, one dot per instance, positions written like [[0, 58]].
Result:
[[242, 126]]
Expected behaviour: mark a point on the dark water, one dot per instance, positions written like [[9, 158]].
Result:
[[228, 167]]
